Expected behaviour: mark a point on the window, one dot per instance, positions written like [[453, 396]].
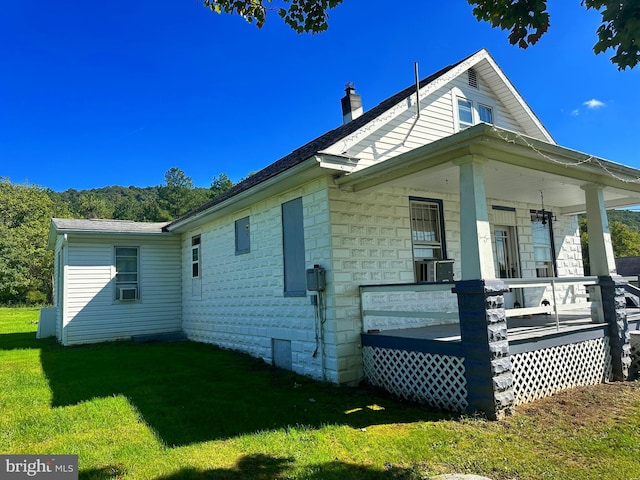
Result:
[[471, 112], [127, 279], [295, 281], [195, 256], [485, 113], [243, 244], [542, 244], [427, 235], [465, 113]]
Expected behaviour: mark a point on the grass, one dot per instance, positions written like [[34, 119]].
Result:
[[190, 411]]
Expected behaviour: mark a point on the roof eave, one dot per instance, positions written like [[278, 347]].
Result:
[[285, 180]]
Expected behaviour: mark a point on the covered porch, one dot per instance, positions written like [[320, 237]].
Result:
[[556, 347], [511, 325]]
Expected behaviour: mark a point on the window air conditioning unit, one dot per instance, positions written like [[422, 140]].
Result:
[[127, 293]]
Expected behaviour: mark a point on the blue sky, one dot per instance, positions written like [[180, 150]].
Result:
[[95, 94]]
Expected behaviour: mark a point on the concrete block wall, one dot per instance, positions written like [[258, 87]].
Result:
[[359, 238], [242, 305], [371, 238]]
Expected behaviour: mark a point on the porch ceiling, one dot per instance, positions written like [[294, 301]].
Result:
[[517, 184], [517, 169]]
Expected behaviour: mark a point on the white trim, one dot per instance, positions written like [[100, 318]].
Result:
[[138, 283]]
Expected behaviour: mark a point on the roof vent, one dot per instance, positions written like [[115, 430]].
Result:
[[473, 78], [351, 104]]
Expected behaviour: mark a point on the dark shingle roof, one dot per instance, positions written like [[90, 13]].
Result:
[[308, 150]]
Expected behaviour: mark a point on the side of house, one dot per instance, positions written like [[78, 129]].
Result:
[[243, 278], [111, 284], [247, 290]]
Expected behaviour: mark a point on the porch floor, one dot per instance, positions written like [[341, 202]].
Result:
[[518, 328]]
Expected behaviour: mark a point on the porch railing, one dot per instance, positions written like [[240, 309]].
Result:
[[398, 306], [557, 295]]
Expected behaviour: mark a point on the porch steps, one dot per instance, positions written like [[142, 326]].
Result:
[[177, 336]]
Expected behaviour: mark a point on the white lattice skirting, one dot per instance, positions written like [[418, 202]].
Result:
[[436, 380], [541, 373]]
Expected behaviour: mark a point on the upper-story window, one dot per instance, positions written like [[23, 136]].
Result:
[[465, 113], [471, 112], [485, 113]]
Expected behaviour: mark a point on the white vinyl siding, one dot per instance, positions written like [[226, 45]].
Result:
[[90, 313], [438, 119]]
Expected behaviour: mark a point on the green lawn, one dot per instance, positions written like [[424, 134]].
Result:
[[186, 410]]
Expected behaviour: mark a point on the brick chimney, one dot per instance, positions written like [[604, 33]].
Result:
[[351, 104]]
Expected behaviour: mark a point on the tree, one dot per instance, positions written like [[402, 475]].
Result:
[[624, 239], [528, 20], [26, 267], [91, 205], [309, 16], [220, 184], [174, 195]]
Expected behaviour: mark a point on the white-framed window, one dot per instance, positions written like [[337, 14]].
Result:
[[195, 257], [127, 273], [427, 237], [472, 109], [485, 113], [465, 113]]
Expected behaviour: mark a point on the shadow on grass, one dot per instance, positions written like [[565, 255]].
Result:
[[19, 341], [189, 392], [265, 467]]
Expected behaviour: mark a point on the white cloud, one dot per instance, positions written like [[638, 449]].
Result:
[[594, 104], [575, 112]]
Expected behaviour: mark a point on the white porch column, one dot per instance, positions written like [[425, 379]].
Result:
[[601, 257], [475, 234]]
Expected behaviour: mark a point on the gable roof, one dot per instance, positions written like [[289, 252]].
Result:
[[330, 138]]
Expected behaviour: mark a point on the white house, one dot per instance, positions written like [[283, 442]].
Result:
[[451, 180]]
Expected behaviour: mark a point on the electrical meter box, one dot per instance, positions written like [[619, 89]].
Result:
[[316, 279]]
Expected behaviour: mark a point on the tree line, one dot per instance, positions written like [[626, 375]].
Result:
[[160, 203], [26, 266]]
